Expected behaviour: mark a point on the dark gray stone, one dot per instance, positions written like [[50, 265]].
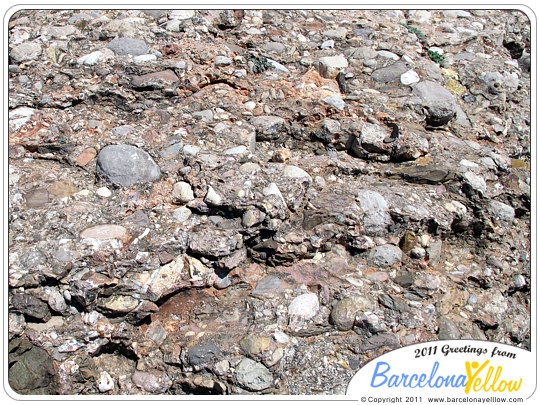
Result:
[[172, 151], [364, 32], [268, 285], [448, 330], [32, 370], [202, 354], [405, 280], [31, 306], [138, 218], [428, 174], [525, 62], [126, 165], [394, 303], [377, 341], [354, 362]]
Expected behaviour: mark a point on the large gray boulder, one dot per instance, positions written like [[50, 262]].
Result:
[[125, 165]]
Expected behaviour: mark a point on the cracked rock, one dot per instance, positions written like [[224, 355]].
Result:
[[439, 103], [253, 376], [260, 202]]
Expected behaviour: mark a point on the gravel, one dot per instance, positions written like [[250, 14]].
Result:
[[261, 201]]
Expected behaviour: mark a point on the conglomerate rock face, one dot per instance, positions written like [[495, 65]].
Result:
[[239, 202]]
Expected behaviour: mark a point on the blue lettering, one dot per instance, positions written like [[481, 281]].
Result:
[[450, 381], [461, 381], [433, 372], [381, 376], [404, 378], [393, 381], [413, 377], [376, 374]]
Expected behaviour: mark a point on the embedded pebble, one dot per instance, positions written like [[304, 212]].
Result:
[[126, 165], [244, 201], [104, 192]]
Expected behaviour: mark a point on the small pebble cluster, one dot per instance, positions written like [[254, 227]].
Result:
[[261, 201]]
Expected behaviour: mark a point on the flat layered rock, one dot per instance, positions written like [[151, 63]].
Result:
[[278, 196], [128, 46], [155, 80], [104, 232]]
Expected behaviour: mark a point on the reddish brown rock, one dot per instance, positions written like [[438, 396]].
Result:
[[86, 156]]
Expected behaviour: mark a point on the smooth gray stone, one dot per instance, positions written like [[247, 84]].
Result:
[[126, 165]]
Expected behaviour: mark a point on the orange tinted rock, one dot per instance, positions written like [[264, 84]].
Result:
[[250, 274], [86, 156]]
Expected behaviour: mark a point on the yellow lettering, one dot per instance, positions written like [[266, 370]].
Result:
[[471, 376], [497, 374], [501, 387], [516, 386], [477, 383], [488, 376]]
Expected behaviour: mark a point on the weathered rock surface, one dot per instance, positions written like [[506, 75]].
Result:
[[128, 46], [31, 369], [253, 376], [439, 102], [261, 201]]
